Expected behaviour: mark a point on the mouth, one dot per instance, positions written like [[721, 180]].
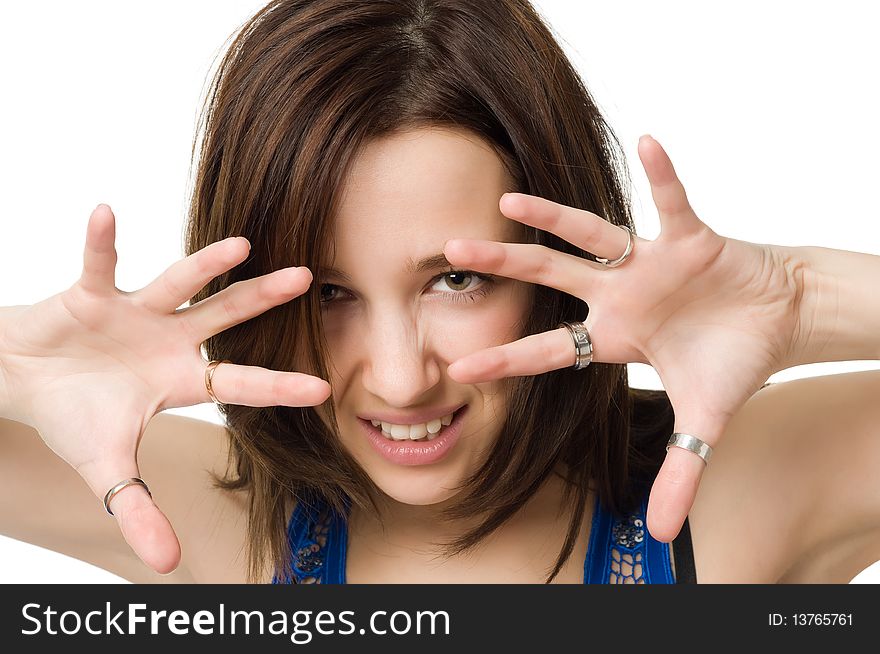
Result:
[[421, 451]]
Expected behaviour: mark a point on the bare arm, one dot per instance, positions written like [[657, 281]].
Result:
[[830, 428], [43, 501], [792, 494]]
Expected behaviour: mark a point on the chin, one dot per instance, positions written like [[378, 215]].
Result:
[[415, 486]]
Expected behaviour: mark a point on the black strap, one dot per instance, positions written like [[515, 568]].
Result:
[[683, 552]]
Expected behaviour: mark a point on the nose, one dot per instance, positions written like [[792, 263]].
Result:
[[400, 366]]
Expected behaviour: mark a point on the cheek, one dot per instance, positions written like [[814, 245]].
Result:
[[449, 330], [503, 322], [457, 332], [494, 319]]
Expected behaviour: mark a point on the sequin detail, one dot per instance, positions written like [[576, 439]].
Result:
[[310, 556], [627, 550], [630, 533]]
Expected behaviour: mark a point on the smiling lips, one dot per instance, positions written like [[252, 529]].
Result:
[[423, 449], [420, 431]]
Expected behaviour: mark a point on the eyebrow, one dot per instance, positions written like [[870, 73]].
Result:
[[434, 262]]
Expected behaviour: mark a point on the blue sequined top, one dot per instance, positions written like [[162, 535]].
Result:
[[620, 551]]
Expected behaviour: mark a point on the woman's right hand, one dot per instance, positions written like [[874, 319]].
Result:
[[89, 367]]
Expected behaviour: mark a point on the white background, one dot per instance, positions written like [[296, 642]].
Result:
[[768, 111]]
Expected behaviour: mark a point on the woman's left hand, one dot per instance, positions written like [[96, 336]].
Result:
[[714, 316]]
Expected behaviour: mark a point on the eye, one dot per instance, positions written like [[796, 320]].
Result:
[[324, 292], [458, 280]]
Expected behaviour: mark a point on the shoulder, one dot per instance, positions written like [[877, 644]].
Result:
[[176, 456], [785, 494]]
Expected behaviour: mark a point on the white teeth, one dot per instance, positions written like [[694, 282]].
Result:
[[413, 432]]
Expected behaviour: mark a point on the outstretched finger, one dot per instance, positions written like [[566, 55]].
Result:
[[144, 527], [258, 387], [99, 257], [184, 278], [243, 300], [585, 229], [531, 355], [677, 218], [527, 262]]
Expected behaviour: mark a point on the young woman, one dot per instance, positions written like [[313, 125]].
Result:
[[413, 268]]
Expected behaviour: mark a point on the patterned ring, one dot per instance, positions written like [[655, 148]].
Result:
[[583, 346], [209, 377]]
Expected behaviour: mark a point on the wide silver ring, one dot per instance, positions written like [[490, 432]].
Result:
[[691, 443], [583, 346], [619, 260]]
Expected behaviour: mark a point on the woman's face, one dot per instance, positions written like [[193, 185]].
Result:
[[393, 327]]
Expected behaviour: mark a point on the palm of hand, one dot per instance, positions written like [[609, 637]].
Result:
[[86, 374], [97, 368], [711, 322]]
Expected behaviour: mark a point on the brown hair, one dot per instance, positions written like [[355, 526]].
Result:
[[304, 85]]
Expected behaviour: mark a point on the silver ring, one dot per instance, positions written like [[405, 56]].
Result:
[[619, 260], [691, 443], [583, 346], [118, 487]]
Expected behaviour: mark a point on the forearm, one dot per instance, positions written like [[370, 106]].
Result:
[[839, 307]]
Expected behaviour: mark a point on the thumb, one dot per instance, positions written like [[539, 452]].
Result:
[[678, 480], [144, 527]]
